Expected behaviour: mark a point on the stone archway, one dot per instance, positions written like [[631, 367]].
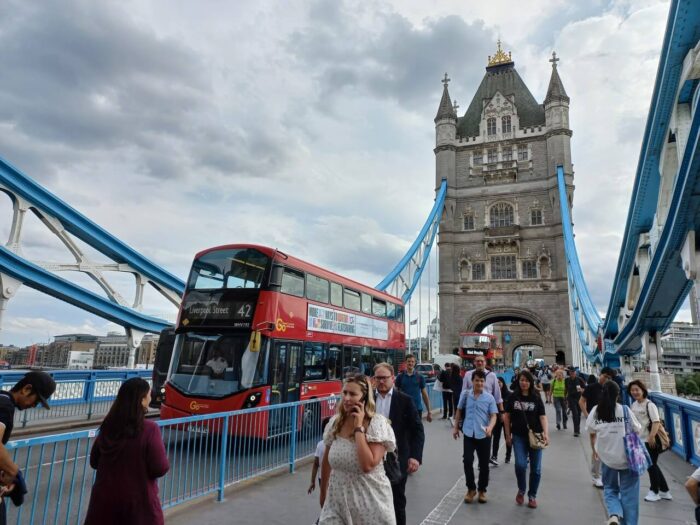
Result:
[[523, 327]]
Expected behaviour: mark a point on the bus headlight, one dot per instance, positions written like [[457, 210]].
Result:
[[162, 390], [252, 400]]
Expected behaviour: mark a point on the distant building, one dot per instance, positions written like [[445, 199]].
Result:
[[146, 352], [81, 360], [681, 349], [112, 351], [57, 353]]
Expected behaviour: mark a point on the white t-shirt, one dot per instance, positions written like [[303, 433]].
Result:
[[320, 450], [640, 412], [696, 475], [610, 443]]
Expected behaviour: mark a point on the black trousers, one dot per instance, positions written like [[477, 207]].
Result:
[[482, 447], [497, 430], [656, 477], [398, 491], [448, 406], [575, 413]]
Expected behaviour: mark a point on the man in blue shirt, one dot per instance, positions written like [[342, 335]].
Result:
[[412, 384], [476, 416]]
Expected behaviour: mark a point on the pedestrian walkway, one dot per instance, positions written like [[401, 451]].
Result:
[[435, 494]]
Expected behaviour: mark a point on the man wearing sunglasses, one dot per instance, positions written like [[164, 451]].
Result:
[[408, 429]]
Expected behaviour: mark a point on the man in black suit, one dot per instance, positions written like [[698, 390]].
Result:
[[408, 429]]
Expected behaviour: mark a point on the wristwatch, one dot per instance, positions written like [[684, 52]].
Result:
[[359, 429]]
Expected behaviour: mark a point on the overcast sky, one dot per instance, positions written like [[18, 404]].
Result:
[[307, 126]]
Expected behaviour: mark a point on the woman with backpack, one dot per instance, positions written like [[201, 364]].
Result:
[[648, 415], [609, 421]]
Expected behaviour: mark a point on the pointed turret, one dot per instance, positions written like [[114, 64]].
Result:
[[556, 90], [445, 110]]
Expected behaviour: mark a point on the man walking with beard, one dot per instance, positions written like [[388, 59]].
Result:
[[408, 429]]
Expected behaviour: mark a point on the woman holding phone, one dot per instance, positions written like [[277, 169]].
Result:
[[354, 486]]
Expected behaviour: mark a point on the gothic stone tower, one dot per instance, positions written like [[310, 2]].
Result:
[[501, 246]]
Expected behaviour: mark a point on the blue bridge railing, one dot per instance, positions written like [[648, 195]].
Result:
[[80, 394], [207, 453], [682, 421]]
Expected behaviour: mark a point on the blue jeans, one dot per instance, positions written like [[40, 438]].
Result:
[[621, 494], [523, 453]]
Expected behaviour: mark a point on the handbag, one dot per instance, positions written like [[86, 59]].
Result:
[[392, 469], [663, 441], [638, 459], [535, 439]]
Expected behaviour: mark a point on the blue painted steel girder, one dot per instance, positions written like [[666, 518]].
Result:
[[666, 285], [427, 232], [39, 279], [83, 228], [681, 35]]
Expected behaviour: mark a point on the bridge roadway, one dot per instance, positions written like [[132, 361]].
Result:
[[435, 493]]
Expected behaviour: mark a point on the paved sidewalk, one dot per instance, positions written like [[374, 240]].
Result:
[[435, 493]]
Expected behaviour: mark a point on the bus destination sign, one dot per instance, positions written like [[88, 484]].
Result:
[[217, 309]]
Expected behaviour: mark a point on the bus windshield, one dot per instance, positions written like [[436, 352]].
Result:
[[216, 365], [235, 268]]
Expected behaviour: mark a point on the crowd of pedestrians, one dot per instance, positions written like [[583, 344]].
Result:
[[382, 415]]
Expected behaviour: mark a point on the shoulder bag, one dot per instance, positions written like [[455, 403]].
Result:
[[663, 442], [535, 439], [638, 459], [392, 469]]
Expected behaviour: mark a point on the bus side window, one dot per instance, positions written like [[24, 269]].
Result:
[[336, 294], [399, 314], [366, 362], [378, 308], [366, 303], [314, 361], [391, 311], [293, 283], [379, 356], [391, 359], [334, 363]]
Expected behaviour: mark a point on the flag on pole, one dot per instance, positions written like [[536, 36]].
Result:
[[415, 321]]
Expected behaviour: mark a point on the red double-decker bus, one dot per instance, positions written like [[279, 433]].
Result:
[[472, 344], [258, 327]]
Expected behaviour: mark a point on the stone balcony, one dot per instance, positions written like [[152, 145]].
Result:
[[502, 231]]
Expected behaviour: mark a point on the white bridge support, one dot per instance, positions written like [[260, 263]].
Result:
[[651, 346]]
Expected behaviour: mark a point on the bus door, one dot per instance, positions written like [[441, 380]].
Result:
[[285, 383]]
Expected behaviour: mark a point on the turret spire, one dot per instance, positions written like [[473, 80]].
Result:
[[556, 90], [446, 109]]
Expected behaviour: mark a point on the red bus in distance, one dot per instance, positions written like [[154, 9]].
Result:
[[472, 344], [258, 327]]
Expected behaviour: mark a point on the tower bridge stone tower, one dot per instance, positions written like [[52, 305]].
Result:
[[501, 245]]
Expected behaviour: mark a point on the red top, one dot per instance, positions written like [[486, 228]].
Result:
[[126, 486]]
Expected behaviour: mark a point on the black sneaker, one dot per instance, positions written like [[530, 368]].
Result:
[[558, 426], [576, 434], [507, 460], [493, 461]]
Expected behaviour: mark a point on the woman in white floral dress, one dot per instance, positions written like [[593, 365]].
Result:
[[354, 487]]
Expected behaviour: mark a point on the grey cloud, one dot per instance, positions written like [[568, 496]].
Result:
[[87, 80], [398, 61]]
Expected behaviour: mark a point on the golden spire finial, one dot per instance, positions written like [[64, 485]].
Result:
[[500, 57]]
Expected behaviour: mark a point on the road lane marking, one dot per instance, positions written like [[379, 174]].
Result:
[[443, 513]]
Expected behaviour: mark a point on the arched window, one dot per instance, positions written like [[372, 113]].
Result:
[[491, 126], [501, 214], [505, 124]]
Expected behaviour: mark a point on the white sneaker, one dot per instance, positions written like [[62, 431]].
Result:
[[665, 495], [598, 482], [613, 520], [652, 496]]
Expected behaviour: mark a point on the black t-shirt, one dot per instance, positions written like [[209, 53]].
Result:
[[7, 414], [592, 394], [522, 408], [571, 384]]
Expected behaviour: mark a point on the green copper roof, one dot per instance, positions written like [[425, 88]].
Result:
[[505, 79]]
